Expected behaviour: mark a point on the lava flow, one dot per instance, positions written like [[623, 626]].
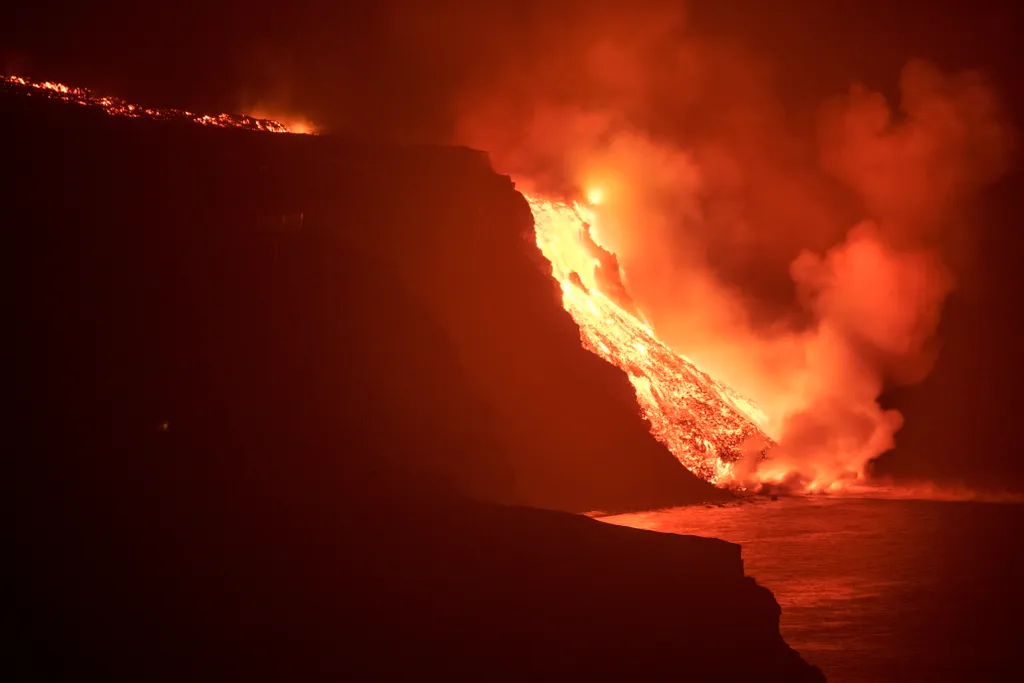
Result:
[[118, 107], [705, 424]]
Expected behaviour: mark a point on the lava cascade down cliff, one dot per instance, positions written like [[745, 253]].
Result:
[[706, 425]]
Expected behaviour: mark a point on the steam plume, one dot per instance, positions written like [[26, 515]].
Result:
[[802, 265]]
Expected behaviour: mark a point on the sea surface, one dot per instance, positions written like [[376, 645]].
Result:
[[880, 590]]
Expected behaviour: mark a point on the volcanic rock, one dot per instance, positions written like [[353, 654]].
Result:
[[256, 374]]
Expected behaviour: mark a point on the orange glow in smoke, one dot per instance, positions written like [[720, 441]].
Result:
[[292, 123]]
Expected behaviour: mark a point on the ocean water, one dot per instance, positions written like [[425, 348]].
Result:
[[879, 590]]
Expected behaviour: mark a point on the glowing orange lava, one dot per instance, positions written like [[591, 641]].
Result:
[[118, 107], [705, 424]]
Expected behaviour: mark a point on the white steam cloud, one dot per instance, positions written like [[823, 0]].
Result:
[[803, 264]]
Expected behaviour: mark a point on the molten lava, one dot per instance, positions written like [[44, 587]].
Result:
[[705, 424], [118, 107]]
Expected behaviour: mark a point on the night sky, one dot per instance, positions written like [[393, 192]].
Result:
[[395, 70]]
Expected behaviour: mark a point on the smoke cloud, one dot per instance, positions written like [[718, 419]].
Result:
[[802, 261]]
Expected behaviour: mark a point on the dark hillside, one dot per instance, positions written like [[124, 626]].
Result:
[[252, 373], [200, 263]]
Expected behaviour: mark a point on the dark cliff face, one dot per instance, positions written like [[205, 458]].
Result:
[[463, 241], [252, 373], [219, 257]]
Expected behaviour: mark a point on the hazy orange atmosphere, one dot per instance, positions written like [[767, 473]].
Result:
[[805, 266], [801, 256], [546, 340]]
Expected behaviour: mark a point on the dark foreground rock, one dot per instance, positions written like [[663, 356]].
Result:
[[254, 374], [464, 590]]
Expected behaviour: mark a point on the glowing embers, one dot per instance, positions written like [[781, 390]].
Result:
[[118, 107], [705, 424]]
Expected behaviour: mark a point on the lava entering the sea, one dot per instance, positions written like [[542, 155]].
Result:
[[705, 424]]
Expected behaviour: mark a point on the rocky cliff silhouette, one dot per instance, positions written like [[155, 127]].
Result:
[[264, 386]]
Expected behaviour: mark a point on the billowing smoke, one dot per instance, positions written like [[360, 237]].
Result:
[[803, 262]]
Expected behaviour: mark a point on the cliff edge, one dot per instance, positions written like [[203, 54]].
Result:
[[257, 374]]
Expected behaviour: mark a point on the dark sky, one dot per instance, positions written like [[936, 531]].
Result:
[[345, 59], [396, 68]]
